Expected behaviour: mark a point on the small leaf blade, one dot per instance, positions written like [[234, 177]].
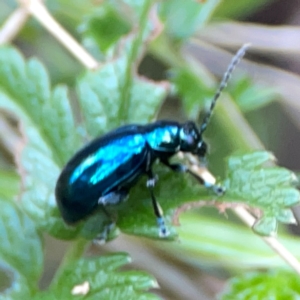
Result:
[[104, 279], [45, 118], [13, 284], [271, 189], [270, 285], [20, 246]]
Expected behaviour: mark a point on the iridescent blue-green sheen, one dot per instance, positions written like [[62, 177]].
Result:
[[111, 165], [164, 138], [106, 160]]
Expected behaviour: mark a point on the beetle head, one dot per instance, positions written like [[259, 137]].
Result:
[[191, 140], [190, 136]]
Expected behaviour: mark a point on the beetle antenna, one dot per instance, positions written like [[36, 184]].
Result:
[[235, 60]]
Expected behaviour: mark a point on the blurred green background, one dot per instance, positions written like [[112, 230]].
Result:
[[266, 92]]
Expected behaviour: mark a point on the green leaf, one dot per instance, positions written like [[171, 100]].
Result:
[[20, 246], [25, 90], [107, 27], [215, 241], [192, 89], [240, 9], [265, 226], [280, 285], [172, 190], [9, 183], [102, 95], [49, 136], [272, 189], [183, 17], [114, 94], [110, 96], [13, 285], [104, 279], [286, 216], [103, 28], [250, 96]]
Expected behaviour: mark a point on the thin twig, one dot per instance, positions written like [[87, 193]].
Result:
[[13, 24], [248, 219], [40, 12]]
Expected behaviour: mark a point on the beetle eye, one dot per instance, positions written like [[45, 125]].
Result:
[[201, 149], [189, 137]]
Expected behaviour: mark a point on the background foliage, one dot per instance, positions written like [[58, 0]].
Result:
[[146, 60]]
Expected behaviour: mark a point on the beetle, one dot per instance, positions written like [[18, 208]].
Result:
[[103, 172]]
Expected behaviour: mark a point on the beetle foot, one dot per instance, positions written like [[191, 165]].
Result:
[[180, 168], [102, 238], [219, 190], [152, 181], [163, 230]]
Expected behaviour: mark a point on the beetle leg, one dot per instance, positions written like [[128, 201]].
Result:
[[202, 175], [151, 182], [207, 179], [102, 238], [163, 231], [180, 168], [113, 198]]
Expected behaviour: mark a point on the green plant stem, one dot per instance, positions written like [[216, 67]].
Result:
[[236, 128], [125, 88], [75, 252], [169, 55]]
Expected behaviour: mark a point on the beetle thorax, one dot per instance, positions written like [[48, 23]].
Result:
[[191, 140], [164, 138]]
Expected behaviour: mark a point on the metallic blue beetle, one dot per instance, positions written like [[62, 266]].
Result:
[[103, 172]]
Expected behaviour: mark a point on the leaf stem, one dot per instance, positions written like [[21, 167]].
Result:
[[75, 251], [40, 12], [13, 24], [289, 258], [125, 89], [238, 131]]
